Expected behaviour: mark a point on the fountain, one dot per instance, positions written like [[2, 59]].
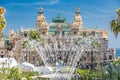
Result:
[[61, 54]]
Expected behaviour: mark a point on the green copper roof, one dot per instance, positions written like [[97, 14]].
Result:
[[58, 19], [59, 22]]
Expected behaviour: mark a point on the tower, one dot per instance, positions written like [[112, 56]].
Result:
[[77, 23], [41, 23]]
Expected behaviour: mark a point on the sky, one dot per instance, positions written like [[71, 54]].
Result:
[[95, 13]]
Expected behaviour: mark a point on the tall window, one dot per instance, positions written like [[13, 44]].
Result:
[[25, 34], [75, 32], [43, 33]]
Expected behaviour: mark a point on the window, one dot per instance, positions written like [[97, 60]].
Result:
[[75, 32], [1, 56], [25, 34], [33, 58], [43, 33], [110, 57], [105, 57], [1, 51], [93, 32]]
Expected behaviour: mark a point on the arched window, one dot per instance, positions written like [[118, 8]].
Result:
[[25, 34], [110, 57], [33, 58], [43, 33], [93, 32], [75, 32]]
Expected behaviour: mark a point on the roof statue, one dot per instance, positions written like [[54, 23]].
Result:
[[78, 10], [2, 20], [40, 10]]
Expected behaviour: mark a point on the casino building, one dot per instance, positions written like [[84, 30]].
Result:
[[59, 28]]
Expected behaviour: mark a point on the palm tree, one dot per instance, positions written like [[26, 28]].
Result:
[[2, 20], [115, 24]]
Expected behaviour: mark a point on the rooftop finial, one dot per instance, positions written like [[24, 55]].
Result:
[[59, 15], [40, 10], [77, 11]]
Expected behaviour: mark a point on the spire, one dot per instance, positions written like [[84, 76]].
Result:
[[59, 16], [77, 11], [77, 22], [40, 10], [41, 23]]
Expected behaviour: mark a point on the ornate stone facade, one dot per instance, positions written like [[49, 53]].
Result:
[[60, 29], [41, 23], [77, 23], [3, 50]]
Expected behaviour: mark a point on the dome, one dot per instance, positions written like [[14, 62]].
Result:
[[59, 22]]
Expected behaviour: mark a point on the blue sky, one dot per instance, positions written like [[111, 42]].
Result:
[[95, 13]]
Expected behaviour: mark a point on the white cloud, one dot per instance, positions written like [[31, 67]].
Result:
[[49, 2], [52, 2], [58, 11], [93, 15]]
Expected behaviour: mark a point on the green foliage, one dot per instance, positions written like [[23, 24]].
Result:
[[116, 62], [85, 74], [2, 24], [25, 44], [28, 75], [118, 11], [115, 24], [33, 35], [36, 36], [15, 74], [10, 73]]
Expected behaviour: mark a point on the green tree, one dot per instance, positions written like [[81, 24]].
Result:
[[115, 24], [36, 36], [2, 20]]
